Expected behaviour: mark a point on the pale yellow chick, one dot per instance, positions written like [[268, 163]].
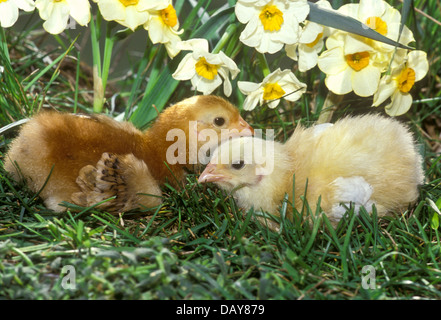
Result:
[[361, 161]]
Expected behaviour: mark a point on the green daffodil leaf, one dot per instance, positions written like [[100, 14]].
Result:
[[339, 21]]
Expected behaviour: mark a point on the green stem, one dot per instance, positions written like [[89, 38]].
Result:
[[231, 30], [100, 70], [263, 64], [4, 45], [98, 90], [108, 47], [95, 45]]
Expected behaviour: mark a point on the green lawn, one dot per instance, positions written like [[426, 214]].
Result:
[[198, 244]]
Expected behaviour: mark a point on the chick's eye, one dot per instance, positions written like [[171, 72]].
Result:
[[238, 165], [219, 121]]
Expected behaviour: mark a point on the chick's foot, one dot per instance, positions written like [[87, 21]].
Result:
[[123, 177]]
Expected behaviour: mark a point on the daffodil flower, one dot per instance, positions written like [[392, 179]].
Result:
[[129, 13], [271, 23], [205, 70], [381, 17], [163, 27], [386, 20], [355, 63], [9, 10], [309, 46], [56, 13], [274, 86], [397, 85], [310, 43], [350, 65]]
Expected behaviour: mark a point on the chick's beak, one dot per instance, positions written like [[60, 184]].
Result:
[[244, 128], [210, 174]]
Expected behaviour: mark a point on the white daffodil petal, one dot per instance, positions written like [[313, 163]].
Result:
[[251, 35], [332, 61], [155, 27], [340, 83], [273, 76], [354, 44], [212, 58], [365, 82], [273, 103], [57, 21], [308, 58], [399, 59], [289, 34], [244, 12], [406, 36], [194, 44], [286, 76], [350, 9], [112, 10], [171, 47], [80, 11], [291, 51], [247, 87], [310, 32], [269, 45], [386, 89], [400, 104], [228, 89], [229, 64], [251, 101], [300, 9], [45, 8], [26, 5], [9, 14], [134, 18], [206, 86], [294, 93], [293, 87], [186, 68], [371, 8], [336, 40], [144, 5], [393, 19], [418, 62]]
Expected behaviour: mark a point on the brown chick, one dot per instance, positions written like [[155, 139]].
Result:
[[362, 161], [95, 157]]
